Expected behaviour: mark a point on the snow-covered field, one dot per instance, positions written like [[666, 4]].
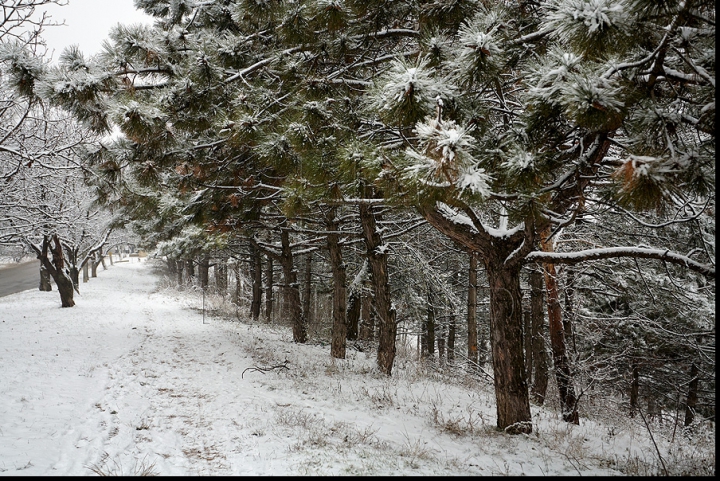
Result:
[[131, 381]]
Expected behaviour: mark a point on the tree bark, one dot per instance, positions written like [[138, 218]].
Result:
[[307, 288], [451, 340], [292, 290], [377, 258], [561, 363], [56, 268], [354, 305], [340, 325], [221, 278], [190, 268], [86, 271], [427, 342], [634, 389], [692, 396], [472, 332], [204, 270], [367, 331], [180, 267], [511, 391], [539, 353], [45, 284], [503, 257], [269, 271], [256, 268]]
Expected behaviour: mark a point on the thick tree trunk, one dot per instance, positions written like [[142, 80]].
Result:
[[511, 392], [340, 325], [75, 276], [539, 353], [256, 268], [472, 331], [692, 396], [56, 268], [292, 290], [377, 258], [45, 284], [502, 256], [269, 271], [86, 271]]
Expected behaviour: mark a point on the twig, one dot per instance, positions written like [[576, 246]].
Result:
[[263, 370], [653, 441]]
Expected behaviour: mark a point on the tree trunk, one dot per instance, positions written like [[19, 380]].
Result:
[[86, 271], [269, 271], [95, 263], [539, 353], [511, 392], [692, 396], [472, 337], [451, 340], [441, 343], [339, 326], [109, 254], [56, 268], [634, 389], [427, 343], [190, 268], [377, 258], [204, 270], [561, 363], [221, 278], [569, 317], [238, 283], [367, 315], [180, 268], [75, 276], [292, 290], [353, 318], [307, 288], [256, 268], [45, 284], [527, 341]]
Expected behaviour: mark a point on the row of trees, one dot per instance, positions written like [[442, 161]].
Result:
[[532, 135], [47, 206]]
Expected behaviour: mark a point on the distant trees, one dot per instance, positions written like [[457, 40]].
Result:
[[44, 199], [509, 127]]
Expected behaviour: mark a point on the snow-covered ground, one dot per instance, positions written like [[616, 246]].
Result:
[[131, 381]]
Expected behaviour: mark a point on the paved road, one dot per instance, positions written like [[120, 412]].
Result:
[[19, 277]]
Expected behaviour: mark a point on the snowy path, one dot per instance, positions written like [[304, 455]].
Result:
[[139, 374]]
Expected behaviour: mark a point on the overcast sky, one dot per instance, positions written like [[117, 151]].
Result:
[[87, 23]]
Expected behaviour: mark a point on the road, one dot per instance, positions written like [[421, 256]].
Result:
[[19, 277]]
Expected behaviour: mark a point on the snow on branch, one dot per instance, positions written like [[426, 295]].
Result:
[[614, 252]]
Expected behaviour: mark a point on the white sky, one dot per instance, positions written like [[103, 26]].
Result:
[[133, 376], [88, 23]]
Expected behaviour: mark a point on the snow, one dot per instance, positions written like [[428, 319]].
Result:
[[135, 378]]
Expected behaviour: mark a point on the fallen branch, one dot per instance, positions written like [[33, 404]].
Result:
[[263, 370]]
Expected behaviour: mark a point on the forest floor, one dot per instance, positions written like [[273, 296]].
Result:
[[137, 379]]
